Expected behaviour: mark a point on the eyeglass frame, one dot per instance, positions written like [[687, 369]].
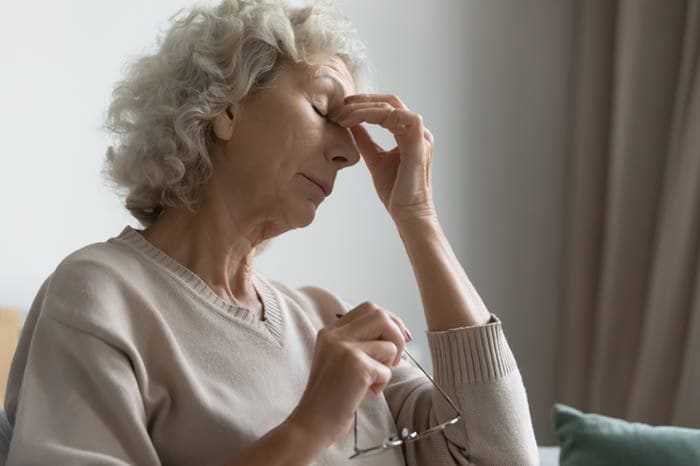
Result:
[[406, 437]]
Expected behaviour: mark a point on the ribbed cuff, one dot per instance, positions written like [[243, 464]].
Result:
[[470, 355]]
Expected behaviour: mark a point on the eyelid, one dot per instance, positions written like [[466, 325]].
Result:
[[315, 101]]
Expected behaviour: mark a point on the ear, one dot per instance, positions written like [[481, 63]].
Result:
[[223, 124]]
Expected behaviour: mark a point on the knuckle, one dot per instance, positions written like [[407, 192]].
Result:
[[386, 318], [352, 359], [371, 305], [339, 348], [368, 378], [385, 373], [322, 334], [326, 336], [394, 349]]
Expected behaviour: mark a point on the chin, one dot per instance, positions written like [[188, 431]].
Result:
[[304, 215], [310, 214]]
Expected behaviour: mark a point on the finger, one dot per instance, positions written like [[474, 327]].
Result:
[[381, 374], [428, 135], [372, 153], [389, 98], [407, 334], [355, 312], [362, 310], [384, 116], [397, 121], [364, 141], [428, 138], [376, 324], [380, 350], [369, 307], [342, 111]]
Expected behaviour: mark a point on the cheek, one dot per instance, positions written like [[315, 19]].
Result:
[[301, 139], [291, 137]]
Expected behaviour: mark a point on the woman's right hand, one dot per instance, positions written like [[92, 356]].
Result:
[[353, 355]]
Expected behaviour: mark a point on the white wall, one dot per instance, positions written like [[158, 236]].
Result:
[[59, 61], [488, 77]]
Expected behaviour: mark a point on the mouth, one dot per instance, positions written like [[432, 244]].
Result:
[[324, 187]]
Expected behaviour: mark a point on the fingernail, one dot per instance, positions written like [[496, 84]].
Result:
[[410, 335]]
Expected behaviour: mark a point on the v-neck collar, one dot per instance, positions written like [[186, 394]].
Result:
[[272, 324]]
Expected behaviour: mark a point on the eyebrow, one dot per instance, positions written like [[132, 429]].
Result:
[[336, 82]]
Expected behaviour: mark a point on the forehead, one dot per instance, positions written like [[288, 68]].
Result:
[[334, 73]]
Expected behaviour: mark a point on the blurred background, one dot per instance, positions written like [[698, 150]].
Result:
[[566, 176]]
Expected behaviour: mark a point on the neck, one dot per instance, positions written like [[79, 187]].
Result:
[[212, 248]]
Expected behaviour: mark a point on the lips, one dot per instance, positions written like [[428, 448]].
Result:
[[325, 187]]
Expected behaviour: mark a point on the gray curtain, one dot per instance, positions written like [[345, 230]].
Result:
[[630, 334]]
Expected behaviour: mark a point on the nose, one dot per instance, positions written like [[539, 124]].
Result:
[[343, 151]]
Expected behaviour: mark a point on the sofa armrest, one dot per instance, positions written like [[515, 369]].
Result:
[[549, 456], [10, 321]]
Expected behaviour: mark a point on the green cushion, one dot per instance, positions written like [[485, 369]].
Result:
[[596, 440]]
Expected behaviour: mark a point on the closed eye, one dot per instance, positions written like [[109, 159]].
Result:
[[319, 113]]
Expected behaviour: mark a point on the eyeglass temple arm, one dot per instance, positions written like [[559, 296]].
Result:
[[429, 377], [433, 381], [426, 374]]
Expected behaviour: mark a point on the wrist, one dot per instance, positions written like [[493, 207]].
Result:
[[304, 429], [285, 445], [423, 225], [307, 445], [415, 217]]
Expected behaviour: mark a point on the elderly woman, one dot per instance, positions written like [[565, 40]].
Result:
[[166, 346]]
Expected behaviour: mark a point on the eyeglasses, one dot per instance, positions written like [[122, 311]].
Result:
[[407, 436]]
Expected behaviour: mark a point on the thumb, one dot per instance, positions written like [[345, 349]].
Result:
[[368, 148]]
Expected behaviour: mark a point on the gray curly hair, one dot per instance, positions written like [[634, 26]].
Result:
[[210, 58]]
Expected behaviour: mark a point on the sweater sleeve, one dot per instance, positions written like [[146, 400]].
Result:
[[476, 369], [79, 403]]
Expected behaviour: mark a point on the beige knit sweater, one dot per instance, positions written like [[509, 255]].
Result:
[[127, 357]]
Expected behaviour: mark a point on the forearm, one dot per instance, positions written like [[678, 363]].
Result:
[[485, 382], [448, 296], [285, 445]]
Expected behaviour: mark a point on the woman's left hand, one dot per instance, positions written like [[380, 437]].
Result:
[[401, 176]]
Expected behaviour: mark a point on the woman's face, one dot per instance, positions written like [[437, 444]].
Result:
[[264, 162]]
